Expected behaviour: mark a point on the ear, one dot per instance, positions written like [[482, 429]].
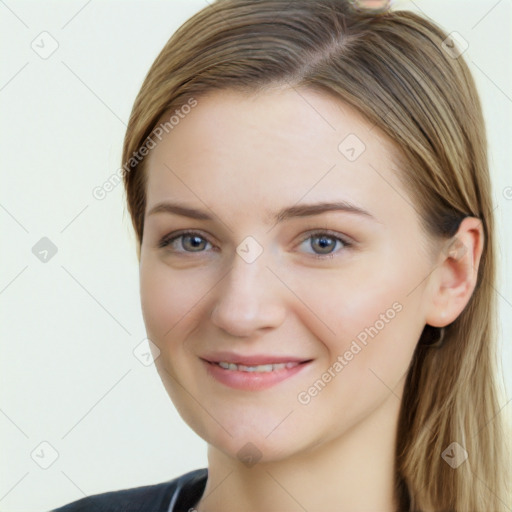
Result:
[[455, 276]]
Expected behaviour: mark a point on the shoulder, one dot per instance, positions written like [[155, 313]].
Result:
[[183, 491]]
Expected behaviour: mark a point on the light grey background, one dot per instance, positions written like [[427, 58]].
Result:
[[69, 326]]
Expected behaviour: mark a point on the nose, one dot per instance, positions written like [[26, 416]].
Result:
[[249, 299]]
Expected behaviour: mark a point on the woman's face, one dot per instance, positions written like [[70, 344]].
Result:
[[341, 294]]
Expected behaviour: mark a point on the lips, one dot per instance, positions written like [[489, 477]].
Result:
[[252, 372]]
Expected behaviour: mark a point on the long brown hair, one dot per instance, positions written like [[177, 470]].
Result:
[[394, 68]]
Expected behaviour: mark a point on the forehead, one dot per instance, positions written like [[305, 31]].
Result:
[[249, 151]]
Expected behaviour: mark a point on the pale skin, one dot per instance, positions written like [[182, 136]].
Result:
[[240, 159]]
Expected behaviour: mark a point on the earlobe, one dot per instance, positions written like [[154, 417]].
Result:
[[456, 274]]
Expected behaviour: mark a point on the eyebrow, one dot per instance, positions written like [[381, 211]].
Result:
[[305, 210]]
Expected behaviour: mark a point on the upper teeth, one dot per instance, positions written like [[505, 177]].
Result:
[[258, 368]]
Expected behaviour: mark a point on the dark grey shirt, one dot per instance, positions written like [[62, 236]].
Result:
[[178, 495]]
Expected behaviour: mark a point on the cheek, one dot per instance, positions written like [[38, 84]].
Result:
[[366, 359], [168, 297], [366, 318], [345, 303]]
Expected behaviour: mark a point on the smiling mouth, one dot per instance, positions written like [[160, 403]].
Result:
[[261, 368], [254, 377]]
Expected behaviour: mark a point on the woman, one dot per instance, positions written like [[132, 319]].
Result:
[[309, 186]]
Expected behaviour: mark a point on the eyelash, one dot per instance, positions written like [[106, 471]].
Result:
[[169, 239]]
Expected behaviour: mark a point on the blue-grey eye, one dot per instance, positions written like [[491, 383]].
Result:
[[190, 242], [323, 244]]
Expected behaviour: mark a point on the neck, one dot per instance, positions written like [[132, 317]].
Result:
[[351, 473]]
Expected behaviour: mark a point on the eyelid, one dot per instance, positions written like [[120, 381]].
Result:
[[334, 234]]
